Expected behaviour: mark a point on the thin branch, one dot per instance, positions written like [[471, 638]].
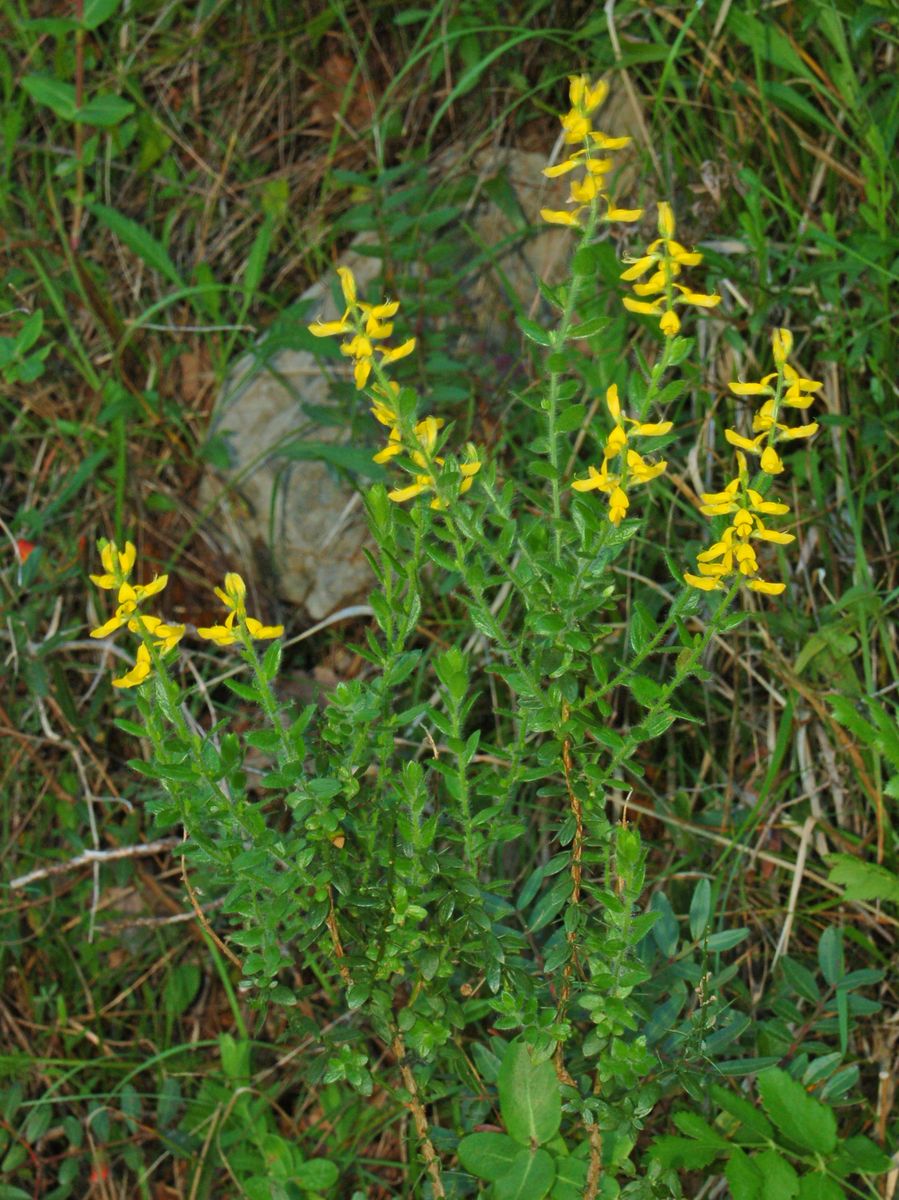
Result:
[[95, 856]]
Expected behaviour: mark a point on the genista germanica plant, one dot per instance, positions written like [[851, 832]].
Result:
[[528, 1010]]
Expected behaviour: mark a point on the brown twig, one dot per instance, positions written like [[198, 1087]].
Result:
[[419, 1117]]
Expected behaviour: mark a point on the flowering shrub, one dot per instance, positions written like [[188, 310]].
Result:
[[387, 854]]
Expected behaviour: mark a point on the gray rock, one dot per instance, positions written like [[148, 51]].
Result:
[[298, 515]]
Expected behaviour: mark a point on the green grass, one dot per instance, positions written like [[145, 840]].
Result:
[[256, 139]]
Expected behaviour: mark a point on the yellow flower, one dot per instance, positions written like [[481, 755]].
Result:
[[138, 672], [577, 128], [665, 258], [233, 596], [367, 323], [117, 565], [634, 469]]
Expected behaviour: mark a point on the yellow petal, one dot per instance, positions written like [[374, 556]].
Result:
[[562, 168], [560, 217], [138, 672], [623, 214], [666, 219], [771, 462], [669, 323], [703, 583], [400, 495], [220, 634], [259, 631], [743, 443], [348, 285], [750, 389], [781, 345], [640, 267], [395, 353], [641, 306], [329, 328], [699, 299], [767, 589], [111, 626], [801, 431]]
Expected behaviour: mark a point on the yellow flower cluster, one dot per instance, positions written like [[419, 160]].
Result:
[[733, 555], [585, 98], [632, 468], [368, 323], [117, 566], [156, 635], [665, 258], [233, 596]]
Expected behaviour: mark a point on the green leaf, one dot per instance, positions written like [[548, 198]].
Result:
[[96, 12], [572, 1172], [138, 241], [727, 939], [683, 1152], [104, 111], [534, 332], [571, 418], [859, 1153], [317, 1174], [348, 458], [744, 1180], [781, 1181], [528, 1096], [744, 1111], [830, 955], [694, 1126], [818, 1186], [795, 1114], [700, 908], [863, 880], [54, 93], [488, 1155], [800, 979], [643, 627], [530, 1177]]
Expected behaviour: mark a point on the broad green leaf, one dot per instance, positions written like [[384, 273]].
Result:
[[863, 880], [781, 1181], [138, 240], [488, 1155], [795, 1114], [530, 1177], [528, 1096], [744, 1110], [104, 111], [54, 93]]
